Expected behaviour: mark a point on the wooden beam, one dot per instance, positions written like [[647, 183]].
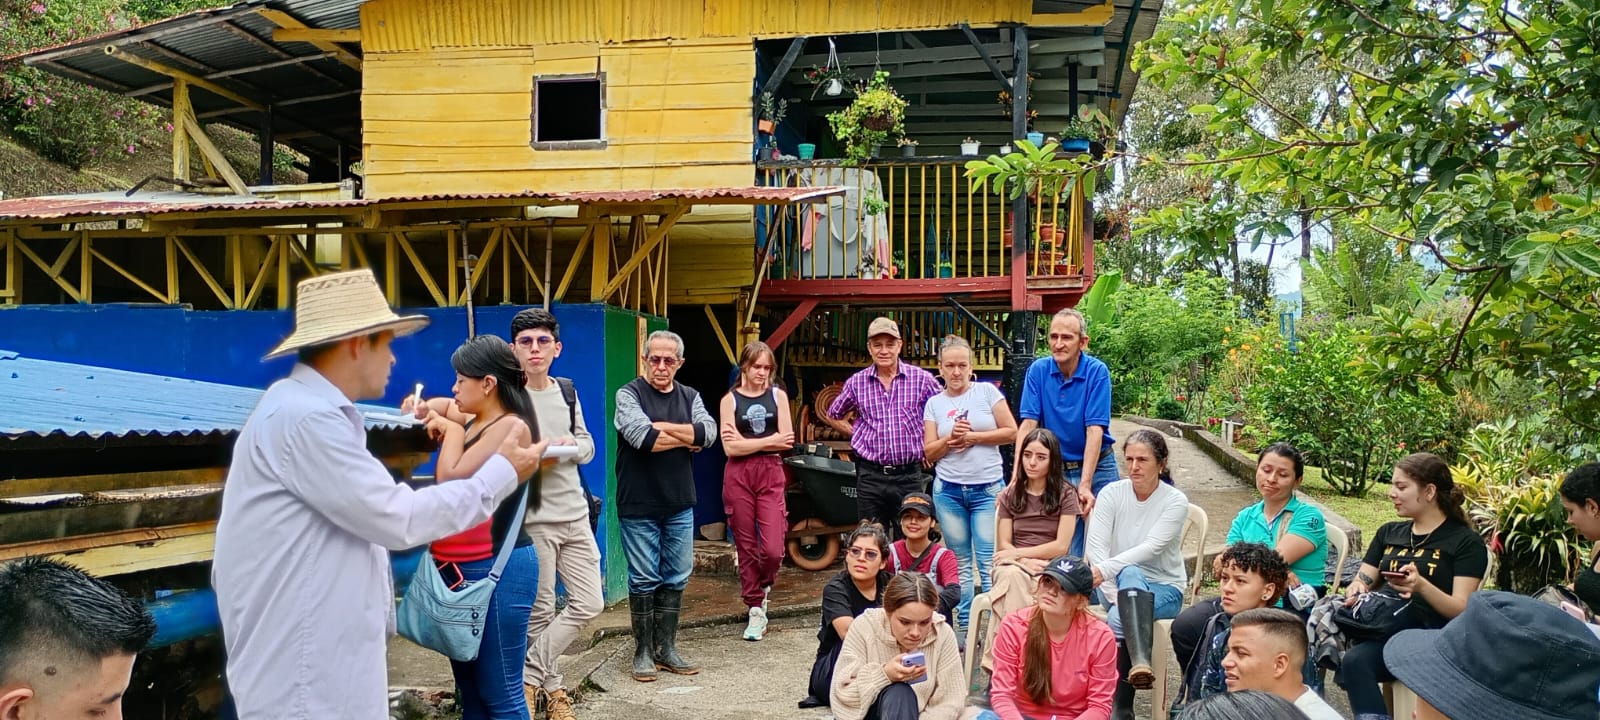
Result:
[[925, 54], [577, 257], [983, 52], [316, 35], [776, 79], [654, 238], [528, 265], [496, 237], [721, 336], [146, 90], [260, 283], [209, 151], [600, 265], [13, 284], [185, 76], [180, 130], [422, 270], [796, 316], [28, 487], [205, 275], [27, 252], [276, 51], [285, 20], [125, 551]]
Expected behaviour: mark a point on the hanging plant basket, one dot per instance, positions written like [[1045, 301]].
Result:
[[882, 122], [833, 87]]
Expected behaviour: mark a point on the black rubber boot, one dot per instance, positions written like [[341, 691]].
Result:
[[668, 605], [1122, 699], [641, 606], [1137, 609]]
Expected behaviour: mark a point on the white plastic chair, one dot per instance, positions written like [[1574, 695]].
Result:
[[1339, 544], [981, 606], [1195, 526]]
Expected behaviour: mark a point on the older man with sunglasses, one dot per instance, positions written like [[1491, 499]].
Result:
[[660, 424]]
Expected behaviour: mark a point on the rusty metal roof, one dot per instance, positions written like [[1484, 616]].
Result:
[[315, 98], [58, 400], [114, 205]]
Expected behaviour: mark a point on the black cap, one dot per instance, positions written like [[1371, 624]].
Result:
[[1505, 656], [1071, 573], [918, 502]]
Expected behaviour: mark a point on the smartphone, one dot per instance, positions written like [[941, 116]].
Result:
[[1574, 611], [917, 658], [1393, 575]]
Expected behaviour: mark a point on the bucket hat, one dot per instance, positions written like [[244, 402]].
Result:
[[1505, 656], [338, 306]]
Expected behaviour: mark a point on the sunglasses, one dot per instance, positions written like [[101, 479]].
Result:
[[541, 341], [662, 361], [864, 554]]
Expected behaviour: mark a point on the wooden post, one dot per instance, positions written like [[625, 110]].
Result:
[[391, 269], [13, 289], [236, 270], [285, 256], [1022, 241], [180, 129], [600, 262], [267, 137], [85, 270], [172, 269]]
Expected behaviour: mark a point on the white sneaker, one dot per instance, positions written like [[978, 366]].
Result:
[[766, 593], [757, 628]]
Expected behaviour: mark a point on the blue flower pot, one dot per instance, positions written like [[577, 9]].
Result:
[[1075, 145], [1037, 138]]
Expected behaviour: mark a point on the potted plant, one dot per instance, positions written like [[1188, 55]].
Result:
[[873, 204], [969, 146], [1088, 125], [773, 112], [908, 147], [874, 117], [830, 80]]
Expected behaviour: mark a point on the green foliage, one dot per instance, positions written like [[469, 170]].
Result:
[[1345, 423], [1465, 129], [1097, 306], [1163, 341], [1511, 477], [1168, 408], [876, 116], [1034, 171], [1359, 275]]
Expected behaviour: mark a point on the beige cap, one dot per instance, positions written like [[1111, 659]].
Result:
[[883, 326], [339, 306]]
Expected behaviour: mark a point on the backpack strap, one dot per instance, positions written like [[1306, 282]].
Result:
[[569, 393]]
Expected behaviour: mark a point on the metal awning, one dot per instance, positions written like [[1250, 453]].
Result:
[[241, 75]]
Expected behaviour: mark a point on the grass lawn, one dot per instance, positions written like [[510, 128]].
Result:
[[1366, 512]]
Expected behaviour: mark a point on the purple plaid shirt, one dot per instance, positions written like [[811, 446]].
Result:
[[888, 423]]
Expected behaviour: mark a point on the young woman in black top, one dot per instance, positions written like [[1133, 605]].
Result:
[[756, 427], [1433, 556], [1580, 494], [855, 589]]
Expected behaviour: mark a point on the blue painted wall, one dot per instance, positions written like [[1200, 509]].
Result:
[[226, 347]]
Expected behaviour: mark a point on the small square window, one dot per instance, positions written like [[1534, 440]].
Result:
[[569, 112]]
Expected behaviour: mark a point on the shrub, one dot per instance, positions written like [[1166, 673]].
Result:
[[1350, 427], [1511, 477], [1164, 341], [1169, 409]]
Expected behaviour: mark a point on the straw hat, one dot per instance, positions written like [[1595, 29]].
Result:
[[338, 306]]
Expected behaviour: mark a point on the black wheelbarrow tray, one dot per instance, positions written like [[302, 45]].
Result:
[[821, 499]]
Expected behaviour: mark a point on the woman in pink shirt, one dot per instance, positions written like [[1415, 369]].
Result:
[[1054, 660]]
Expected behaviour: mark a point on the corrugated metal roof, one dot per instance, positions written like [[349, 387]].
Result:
[[46, 399], [308, 89], [120, 205]]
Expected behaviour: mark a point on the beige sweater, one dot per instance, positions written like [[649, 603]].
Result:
[[858, 677]]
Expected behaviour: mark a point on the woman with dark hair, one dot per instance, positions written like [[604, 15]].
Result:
[[1282, 521], [1580, 495], [1135, 548], [1054, 659], [756, 427], [1037, 517], [1432, 556], [856, 588], [900, 662], [1243, 705], [488, 391], [1252, 576]]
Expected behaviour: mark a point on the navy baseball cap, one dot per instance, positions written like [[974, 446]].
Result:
[[917, 502], [1071, 573]]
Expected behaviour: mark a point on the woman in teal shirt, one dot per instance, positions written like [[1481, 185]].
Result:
[[1294, 527]]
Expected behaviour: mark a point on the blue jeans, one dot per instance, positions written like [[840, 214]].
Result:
[[1105, 473], [966, 517], [490, 688], [1169, 598], [660, 551]]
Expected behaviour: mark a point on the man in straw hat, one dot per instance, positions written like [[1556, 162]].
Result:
[[309, 516]]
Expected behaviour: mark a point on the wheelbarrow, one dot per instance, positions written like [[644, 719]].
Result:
[[821, 498]]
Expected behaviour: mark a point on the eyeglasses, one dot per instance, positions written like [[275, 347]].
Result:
[[528, 341], [662, 361], [863, 553]]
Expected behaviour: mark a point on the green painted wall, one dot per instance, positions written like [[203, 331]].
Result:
[[622, 352]]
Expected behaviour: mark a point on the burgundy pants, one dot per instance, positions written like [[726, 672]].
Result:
[[752, 495]]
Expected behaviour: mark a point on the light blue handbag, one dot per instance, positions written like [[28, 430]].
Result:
[[447, 621]]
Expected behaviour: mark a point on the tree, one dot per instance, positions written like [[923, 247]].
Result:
[[1460, 127], [1358, 275]]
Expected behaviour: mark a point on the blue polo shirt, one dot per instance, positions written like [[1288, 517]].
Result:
[[1252, 525], [1068, 406]]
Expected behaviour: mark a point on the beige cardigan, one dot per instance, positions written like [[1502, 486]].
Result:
[[858, 677]]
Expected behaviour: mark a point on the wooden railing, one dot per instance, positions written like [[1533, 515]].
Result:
[[930, 225]]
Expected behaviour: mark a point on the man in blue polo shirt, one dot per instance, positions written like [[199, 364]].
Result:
[[1069, 394]]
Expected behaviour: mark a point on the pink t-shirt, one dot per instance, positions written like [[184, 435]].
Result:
[[1083, 670]]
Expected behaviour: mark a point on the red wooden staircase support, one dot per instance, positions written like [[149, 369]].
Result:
[[796, 316]]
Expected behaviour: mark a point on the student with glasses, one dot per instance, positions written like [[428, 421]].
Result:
[[855, 589], [660, 424]]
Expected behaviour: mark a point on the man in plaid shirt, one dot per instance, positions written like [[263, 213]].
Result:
[[886, 436]]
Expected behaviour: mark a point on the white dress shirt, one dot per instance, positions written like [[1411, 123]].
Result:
[[301, 567]]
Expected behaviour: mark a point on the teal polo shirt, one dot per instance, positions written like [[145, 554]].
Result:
[[1068, 406], [1252, 525]]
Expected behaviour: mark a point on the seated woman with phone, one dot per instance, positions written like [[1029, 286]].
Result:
[[1054, 659], [900, 662]]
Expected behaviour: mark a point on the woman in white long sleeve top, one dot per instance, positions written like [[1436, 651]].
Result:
[[1135, 548]]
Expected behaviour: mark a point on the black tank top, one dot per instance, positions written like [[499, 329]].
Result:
[[755, 417], [1587, 587]]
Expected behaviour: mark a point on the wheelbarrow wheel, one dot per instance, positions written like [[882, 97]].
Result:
[[813, 552]]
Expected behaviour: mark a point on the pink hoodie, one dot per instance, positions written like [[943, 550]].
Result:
[[1083, 669]]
